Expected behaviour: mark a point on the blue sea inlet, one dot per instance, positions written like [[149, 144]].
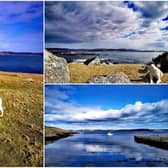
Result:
[[25, 64], [102, 149], [120, 57]]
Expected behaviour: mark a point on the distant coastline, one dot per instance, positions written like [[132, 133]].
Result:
[[124, 130], [53, 134], [10, 53], [103, 49]]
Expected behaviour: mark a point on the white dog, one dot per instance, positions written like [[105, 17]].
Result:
[[1, 108], [154, 72]]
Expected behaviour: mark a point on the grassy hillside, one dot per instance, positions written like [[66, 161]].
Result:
[[54, 130], [21, 127], [80, 73], [52, 134]]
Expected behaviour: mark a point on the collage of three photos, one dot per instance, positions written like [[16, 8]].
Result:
[[84, 84]]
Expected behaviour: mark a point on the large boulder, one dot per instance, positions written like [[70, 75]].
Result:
[[93, 61], [119, 77], [162, 60], [56, 69]]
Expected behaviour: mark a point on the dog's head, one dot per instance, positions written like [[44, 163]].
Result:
[[148, 64]]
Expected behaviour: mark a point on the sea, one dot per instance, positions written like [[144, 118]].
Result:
[[25, 64], [121, 57], [100, 149]]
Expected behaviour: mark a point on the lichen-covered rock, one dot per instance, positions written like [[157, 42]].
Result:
[[93, 61], [119, 77], [56, 69]]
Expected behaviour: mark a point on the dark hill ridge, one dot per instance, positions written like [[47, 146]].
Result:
[[100, 49], [125, 130], [10, 53]]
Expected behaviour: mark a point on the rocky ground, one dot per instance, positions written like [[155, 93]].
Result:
[[21, 127], [95, 70]]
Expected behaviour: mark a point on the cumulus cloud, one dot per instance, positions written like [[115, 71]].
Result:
[[120, 24], [152, 9], [85, 21], [69, 112]]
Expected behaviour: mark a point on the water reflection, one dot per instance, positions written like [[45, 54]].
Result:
[[98, 149]]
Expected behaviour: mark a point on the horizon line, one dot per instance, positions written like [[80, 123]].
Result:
[[127, 49]]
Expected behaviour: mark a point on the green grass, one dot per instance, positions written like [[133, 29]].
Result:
[[80, 73], [21, 127]]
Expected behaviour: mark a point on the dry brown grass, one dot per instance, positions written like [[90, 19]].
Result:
[[21, 127], [37, 77], [80, 73], [53, 130]]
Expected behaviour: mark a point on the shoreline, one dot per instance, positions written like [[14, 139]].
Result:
[[52, 134], [34, 76], [51, 138]]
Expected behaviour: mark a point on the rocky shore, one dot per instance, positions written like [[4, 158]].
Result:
[[157, 141], [52, 134], [97, 70]]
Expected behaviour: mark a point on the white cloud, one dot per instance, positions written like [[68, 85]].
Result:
[[69, 112], [103, 24]]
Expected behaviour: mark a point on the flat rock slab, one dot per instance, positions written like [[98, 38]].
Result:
[[157, 141], [119, 77]]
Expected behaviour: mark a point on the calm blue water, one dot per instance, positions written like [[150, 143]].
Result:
[[99, 149], [119, 57], [26, 64]]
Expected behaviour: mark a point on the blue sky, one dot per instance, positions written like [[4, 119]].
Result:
[[115, 24], [106, 106], [21, 27]]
